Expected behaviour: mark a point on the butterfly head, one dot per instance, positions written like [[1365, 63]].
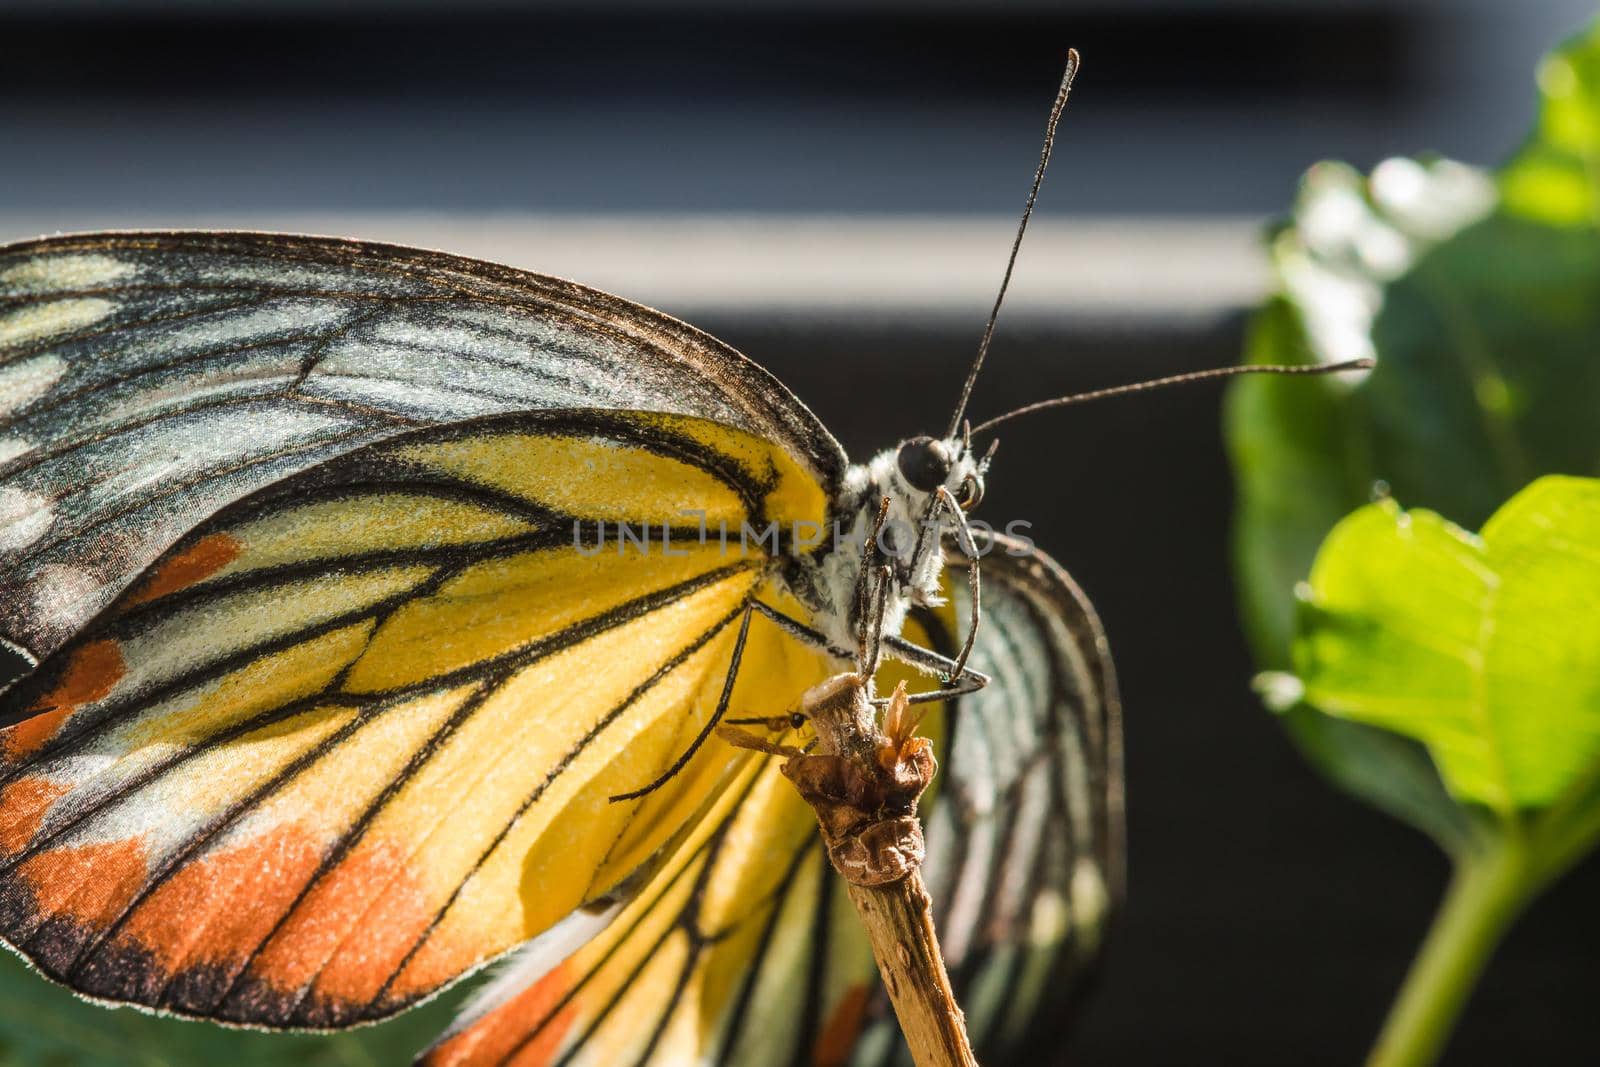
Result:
[[929, 483], [926, 463]]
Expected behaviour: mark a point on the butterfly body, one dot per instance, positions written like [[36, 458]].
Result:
[[828, 582], [378, 607]]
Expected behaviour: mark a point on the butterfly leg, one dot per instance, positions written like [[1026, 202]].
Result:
[[751, 608], [878, 600], [970, 548], [801, 632], [931, 662], [966, 680], [869, 548], [745, 739], [716, 715]]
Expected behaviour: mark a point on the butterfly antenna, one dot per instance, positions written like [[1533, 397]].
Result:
[[1022, 227], [1175, 379]]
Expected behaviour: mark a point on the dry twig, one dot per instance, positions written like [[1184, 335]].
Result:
[[863, 782]]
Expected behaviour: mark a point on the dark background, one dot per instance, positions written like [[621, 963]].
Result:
[[181, 107], [1270, 919]]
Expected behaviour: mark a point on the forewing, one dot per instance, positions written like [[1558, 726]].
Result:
[[147, 380], [357, 734], [745, 949]]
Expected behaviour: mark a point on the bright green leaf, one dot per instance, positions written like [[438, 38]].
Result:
[[1486, 650], [1483, 318], [1447, 666], [1555, 179]]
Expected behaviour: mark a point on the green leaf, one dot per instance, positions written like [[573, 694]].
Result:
[[1556, 177], [1482, 314], [1288, 438], [1393, 773], [1484, 649], [1302, 447], [1453, 680]]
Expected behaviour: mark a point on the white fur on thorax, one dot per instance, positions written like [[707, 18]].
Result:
[[835, 577]]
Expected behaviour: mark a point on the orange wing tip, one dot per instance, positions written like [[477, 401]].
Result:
[[231, 955], [209, 940], [58, 902], [371, 897], [184, 945]]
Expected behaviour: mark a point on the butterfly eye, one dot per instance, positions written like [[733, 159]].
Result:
[[924, 462], [971, 494], [796, 720]]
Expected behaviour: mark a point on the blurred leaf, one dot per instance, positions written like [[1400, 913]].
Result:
[[1293, 440], [1556, 177], [43, 1025], [1391, 772], [1290, 439], [1486, 650], [1485, 320]]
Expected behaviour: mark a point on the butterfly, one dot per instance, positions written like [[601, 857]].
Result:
[[356, 581], [373, 611]]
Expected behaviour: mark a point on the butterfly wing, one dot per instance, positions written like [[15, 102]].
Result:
[[358, 733], [148, 379], [1025, 843], [744, 947], [662, 982], [349, 722]]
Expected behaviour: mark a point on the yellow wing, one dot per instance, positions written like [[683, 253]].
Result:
[[743, 949], [356, 735], [658, 983], [740, 950]]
